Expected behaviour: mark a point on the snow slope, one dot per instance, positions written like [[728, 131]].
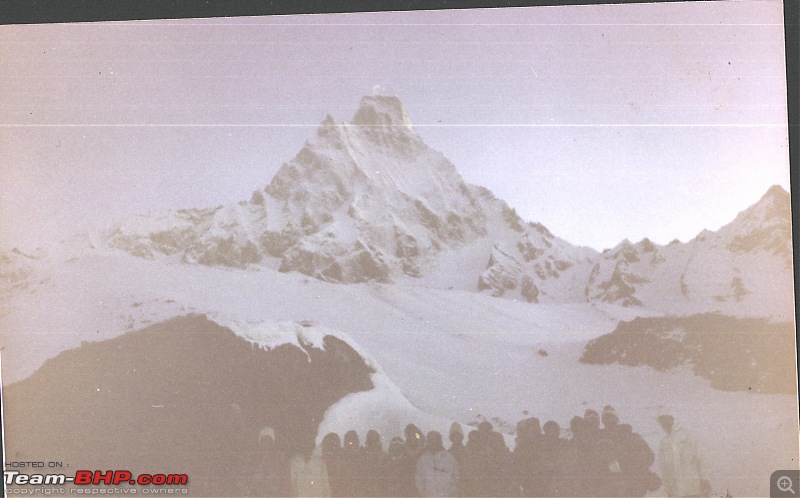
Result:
[[440, 355]]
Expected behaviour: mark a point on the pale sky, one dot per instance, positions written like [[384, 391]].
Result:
[[602, 122]]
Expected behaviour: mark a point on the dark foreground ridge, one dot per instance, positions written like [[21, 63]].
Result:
[[183, 396], [735, 354]]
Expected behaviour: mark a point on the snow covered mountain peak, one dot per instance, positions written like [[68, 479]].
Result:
[[383, 111], [368, 200], [767, 224], [364, 200], [377, 150], [774, 205], [371, 187]]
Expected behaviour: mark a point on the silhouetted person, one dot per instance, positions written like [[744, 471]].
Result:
[[472, 471], [502, 457], [635, 459], [331, 447], [605, 470], [374, 463], [415, 440], [525, 461], [456, 437], [609, 418], [437, 469], [631, 460], [530, 427], [608, 449], [682, 460], [550, 449], [400, 470], [458, 450], [373, 442], [486, 470], [354, 478], [591, 426], [351, 442], [599, 461], [573, 475]]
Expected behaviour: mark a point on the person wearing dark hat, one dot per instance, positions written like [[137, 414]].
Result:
[[682, 460]]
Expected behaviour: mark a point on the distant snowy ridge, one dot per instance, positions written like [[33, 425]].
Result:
[[368, 200], [743, 268]]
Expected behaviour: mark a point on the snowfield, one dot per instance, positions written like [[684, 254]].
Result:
[[440, 354]]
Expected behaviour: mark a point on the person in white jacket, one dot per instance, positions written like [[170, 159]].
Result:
[[682, 460], [437, 469]]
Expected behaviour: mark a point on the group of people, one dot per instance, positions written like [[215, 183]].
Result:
[[601, 458]]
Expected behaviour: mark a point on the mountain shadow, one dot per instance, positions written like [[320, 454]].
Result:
[[184, 396], [735, 354]]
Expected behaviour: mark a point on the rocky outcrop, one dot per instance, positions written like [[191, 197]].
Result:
[[735, 354], [184, 396]]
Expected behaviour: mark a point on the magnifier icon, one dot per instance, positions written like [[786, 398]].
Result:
[[785, 484]]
